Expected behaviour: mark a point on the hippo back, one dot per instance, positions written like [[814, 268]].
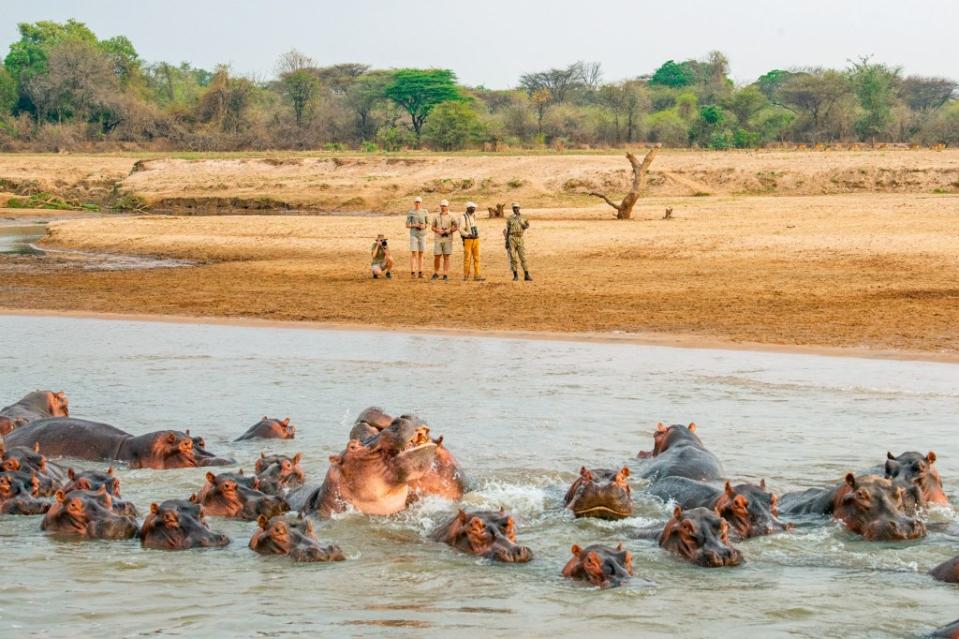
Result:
[[69, 437], [686, 492], [689, 461], [812, 501]]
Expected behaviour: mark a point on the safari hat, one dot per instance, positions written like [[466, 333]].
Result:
[[444, 202], [471, 205], [418, 199], [515, 205]]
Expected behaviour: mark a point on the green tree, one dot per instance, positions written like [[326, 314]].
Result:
[[298, 88], [28, 55], [8, 92], [125, 59], [418, 91], [452, 126], [875, 86], [671, 74]]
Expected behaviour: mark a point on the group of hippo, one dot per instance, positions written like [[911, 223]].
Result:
[[388, 463]]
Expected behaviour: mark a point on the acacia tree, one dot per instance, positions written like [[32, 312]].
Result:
[[624, 210], [419, 90]]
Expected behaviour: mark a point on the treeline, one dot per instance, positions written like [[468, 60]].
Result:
[[61, 87]]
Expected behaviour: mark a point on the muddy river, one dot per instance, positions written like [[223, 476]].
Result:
[[522, 417]]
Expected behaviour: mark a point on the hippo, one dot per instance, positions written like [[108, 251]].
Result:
[[489, 534], [870, 506], [913, 468], [50, 477], [18, 495], [279, 473], [700, 536], [947, 632], [293, 536], [224, 496], [67, 437], [178, 524], [370, 422], [34, 406], [947, 571], [374, 477], [93, 480], [678, 452], [89, 515], [600, 565], [268, 428], [601, 493], [750, 509]]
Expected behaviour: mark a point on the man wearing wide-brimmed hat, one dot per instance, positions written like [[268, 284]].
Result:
[[471, 243], [444, 225]]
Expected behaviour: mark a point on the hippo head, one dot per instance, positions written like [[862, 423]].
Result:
[[600, 565], [700, 536], [92, 480], [751, 510], [370, 422], [490, 534], [176, 449], [872, 506], [914, 468], [8, 424], [22, 458], [277, 428], [57, 404], [226, 496], [601, 493], [282, 470], [12, 485], [178, 524], [947, 571], [666, 436], [293, 536], [402, 452], [88, 514]]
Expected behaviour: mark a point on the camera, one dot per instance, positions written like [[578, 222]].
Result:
[[383, 243]]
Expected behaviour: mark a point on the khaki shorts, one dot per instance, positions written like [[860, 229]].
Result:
[[418, 244], [443, 246]]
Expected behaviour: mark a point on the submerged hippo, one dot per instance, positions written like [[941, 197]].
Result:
[[18, 495], [369, 423], [870, 506], [678, 452], [913, 468], [601, 493], [489, 534], [178, 524], [701, 537], [292, 536], [94, 480], [268, 428], [34, 406], [374, 477], [279, 473], [602, 566], [66, 437], [750, 509], [947, 571], [50, 477], [224, 496], [89, 515]]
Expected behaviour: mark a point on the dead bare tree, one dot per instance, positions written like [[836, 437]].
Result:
[[624, 210], [499, 211]]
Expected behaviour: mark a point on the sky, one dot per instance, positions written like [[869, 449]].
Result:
[[493, 42]]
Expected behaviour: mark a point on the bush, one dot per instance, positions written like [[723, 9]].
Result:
[[369, 147], [720, 140], [667, 128], [744, 139], [395, 138], [452, 126]]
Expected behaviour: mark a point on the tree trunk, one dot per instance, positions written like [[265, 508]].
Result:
[[624, 210]]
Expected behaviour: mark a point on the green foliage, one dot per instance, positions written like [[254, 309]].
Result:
[[671, 74], [28, 56], [50, 202], [298, 88], [711, 115], [770, 82], [668, 128], [395, 138], [744, 139], [875, 85], [8, 92], [418, 91], [452, 126], [369, 147]]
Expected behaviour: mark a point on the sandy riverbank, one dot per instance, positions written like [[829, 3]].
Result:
[[870, 272]]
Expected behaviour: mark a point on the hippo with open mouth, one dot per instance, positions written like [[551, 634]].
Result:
[[33, 406], [89, 515], [700, 536], [292, 536], [870, 506], [178, 524], [82, 439], [678, 452], [600, 492], [224, 495], [374, 477], [600, 565], [750, 509], [268, 428], [489, 534]]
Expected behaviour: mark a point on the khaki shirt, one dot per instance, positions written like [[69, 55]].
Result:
[[418, 217], [380, 253], [444, 222], [516, 225]]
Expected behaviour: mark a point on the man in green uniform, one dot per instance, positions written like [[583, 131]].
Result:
[[516, 225]]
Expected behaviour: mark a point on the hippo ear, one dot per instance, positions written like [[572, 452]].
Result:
[[154, 508], [762, 483], [623, 473], [661, 427], [461, 516], [240, 472], [256, 483], [194, 499], [71, 474], [728, 488], [262, 521], [851, 480], [262, 454], [692, 427], [60, 394], [678, 512], [336, 459], [285, 421], [890, 468], [575, 549], [889, 455], [60, 496], [297, 458], [265, 418], [584, 473], [210, 477], [36, 447], [110, 471], [931, 457], [619, 547], [308, 526], [171, 438]]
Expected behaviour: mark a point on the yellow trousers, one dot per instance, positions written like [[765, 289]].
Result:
[[471, 252]]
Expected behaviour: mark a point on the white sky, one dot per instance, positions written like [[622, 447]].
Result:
[[492, 42]]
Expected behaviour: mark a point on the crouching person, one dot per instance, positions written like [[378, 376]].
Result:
[[382, 260]]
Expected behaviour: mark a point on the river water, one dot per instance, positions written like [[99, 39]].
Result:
[[521, 416]]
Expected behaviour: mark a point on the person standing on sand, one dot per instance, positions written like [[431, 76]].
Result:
[[417, 219], [443, 228], [516, 225], [471, 244], [382, 262]]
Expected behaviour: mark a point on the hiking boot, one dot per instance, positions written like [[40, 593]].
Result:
[[435, 277], [466, 277], [479, 279], [526, 276], [446, 278], [421, 275], [375, 276], [515, 276], [412, 275], [389, 276]]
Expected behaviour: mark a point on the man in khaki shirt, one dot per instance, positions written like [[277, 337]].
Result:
[[444, 226]]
